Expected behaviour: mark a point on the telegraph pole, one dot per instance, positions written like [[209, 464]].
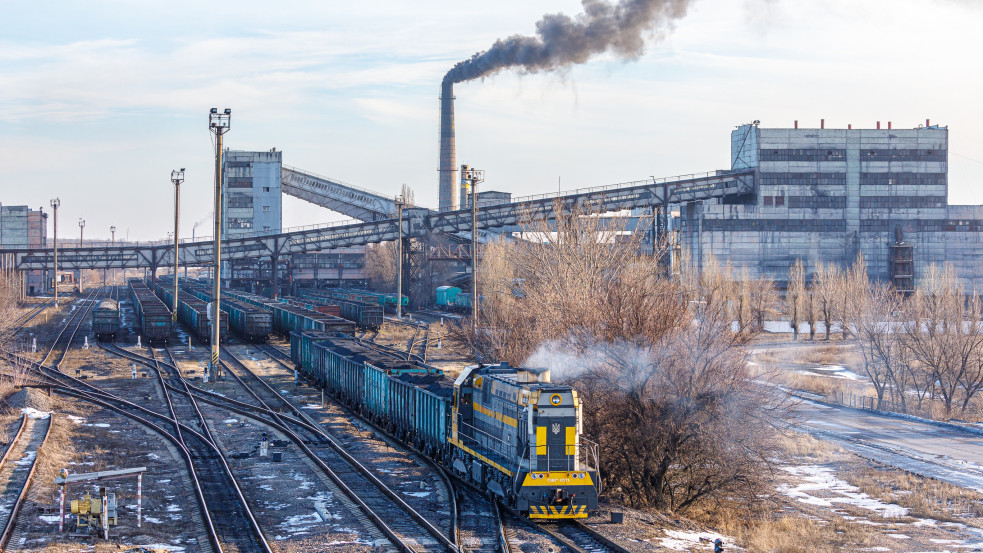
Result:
[[81, 229], [399, 256], [177, 177], [218, 124], [54, 206]]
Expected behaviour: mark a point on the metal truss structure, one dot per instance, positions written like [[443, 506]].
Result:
[[417, 222]]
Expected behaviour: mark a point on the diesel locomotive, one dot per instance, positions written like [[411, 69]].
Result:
[[508, 430], [521, 436]]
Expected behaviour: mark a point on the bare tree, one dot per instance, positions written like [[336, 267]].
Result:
[[380, 265], [764, 300], [795, 296], [827, 286], [874, 306]]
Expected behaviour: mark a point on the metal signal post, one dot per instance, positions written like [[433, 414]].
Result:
[[55, 203], [472, 177], [399, 256], [218, 124]]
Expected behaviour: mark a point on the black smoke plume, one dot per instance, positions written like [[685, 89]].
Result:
[[562, 40]]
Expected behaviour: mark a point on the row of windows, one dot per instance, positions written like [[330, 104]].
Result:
[[922, 225], [775, 225], [817, 202], [802, 179], [229, 164], [902, 155], [239, 182], [239, 223], [803, 154], [919, 179], [902, 202], [239, 200]]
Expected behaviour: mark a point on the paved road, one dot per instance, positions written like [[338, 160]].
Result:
[[949, 455]]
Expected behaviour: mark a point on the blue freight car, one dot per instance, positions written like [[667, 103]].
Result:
[[252, 323], [193, 313], [152, 315]]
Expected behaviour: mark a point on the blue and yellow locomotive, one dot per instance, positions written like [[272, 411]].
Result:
[[519, 435]]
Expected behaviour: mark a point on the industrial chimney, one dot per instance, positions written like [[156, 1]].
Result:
[[448, 159]]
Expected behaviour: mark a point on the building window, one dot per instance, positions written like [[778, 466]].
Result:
[[779, 201], [266, 209], [768, 201], [266, 228], [266, 189]]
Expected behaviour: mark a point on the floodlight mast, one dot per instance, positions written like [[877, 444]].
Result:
[[218, 124], [177, 177]]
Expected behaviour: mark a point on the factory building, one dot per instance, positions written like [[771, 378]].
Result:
[[23, 227], [825, 195], [252, 205]]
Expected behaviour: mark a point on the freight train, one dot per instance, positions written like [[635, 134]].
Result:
[[106, 319], [364, 314], [251, 323], [507, 430], [193, 312], [152, 315]]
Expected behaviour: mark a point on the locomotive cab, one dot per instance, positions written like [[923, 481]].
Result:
[[519, 436]]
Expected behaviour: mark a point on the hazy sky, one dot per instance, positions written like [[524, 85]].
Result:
[[100, 100]]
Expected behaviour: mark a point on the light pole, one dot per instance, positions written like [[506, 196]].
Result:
[[399, 256], [54, 206], [218, 124], [177, 177], [112, 231], [81, 229], [472, 177]]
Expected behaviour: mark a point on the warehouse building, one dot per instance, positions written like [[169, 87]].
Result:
[[825, 195], [23, 227]]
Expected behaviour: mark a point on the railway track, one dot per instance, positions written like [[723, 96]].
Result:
[[480, 529], [76, 319], [17, 471], [380, 512], [410, 530], [223, 504]]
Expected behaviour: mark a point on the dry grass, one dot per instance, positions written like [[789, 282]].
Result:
[[923, 497], [802, 535], [822, 385], [828, 354], [800, 444], [760, 530]]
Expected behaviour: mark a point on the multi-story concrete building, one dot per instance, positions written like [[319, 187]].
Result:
[[251, 201], [825, 195], [23, 227]]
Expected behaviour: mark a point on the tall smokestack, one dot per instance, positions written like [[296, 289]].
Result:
[[448, 157]]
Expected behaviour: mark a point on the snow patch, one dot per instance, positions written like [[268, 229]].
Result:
[[819, 478], [679, 540], [33, 413]]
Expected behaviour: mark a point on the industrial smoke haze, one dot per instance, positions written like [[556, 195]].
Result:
[[562, 40]]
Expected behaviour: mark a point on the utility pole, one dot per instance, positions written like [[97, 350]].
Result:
[[112, 231], [218, 124], [177, 177], [472, 177], [400, 201], [81, 229], [54, 206]]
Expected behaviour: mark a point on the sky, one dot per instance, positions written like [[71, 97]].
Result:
[[100, 100]]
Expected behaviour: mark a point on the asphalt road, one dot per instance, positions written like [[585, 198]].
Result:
[[949, 455]]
